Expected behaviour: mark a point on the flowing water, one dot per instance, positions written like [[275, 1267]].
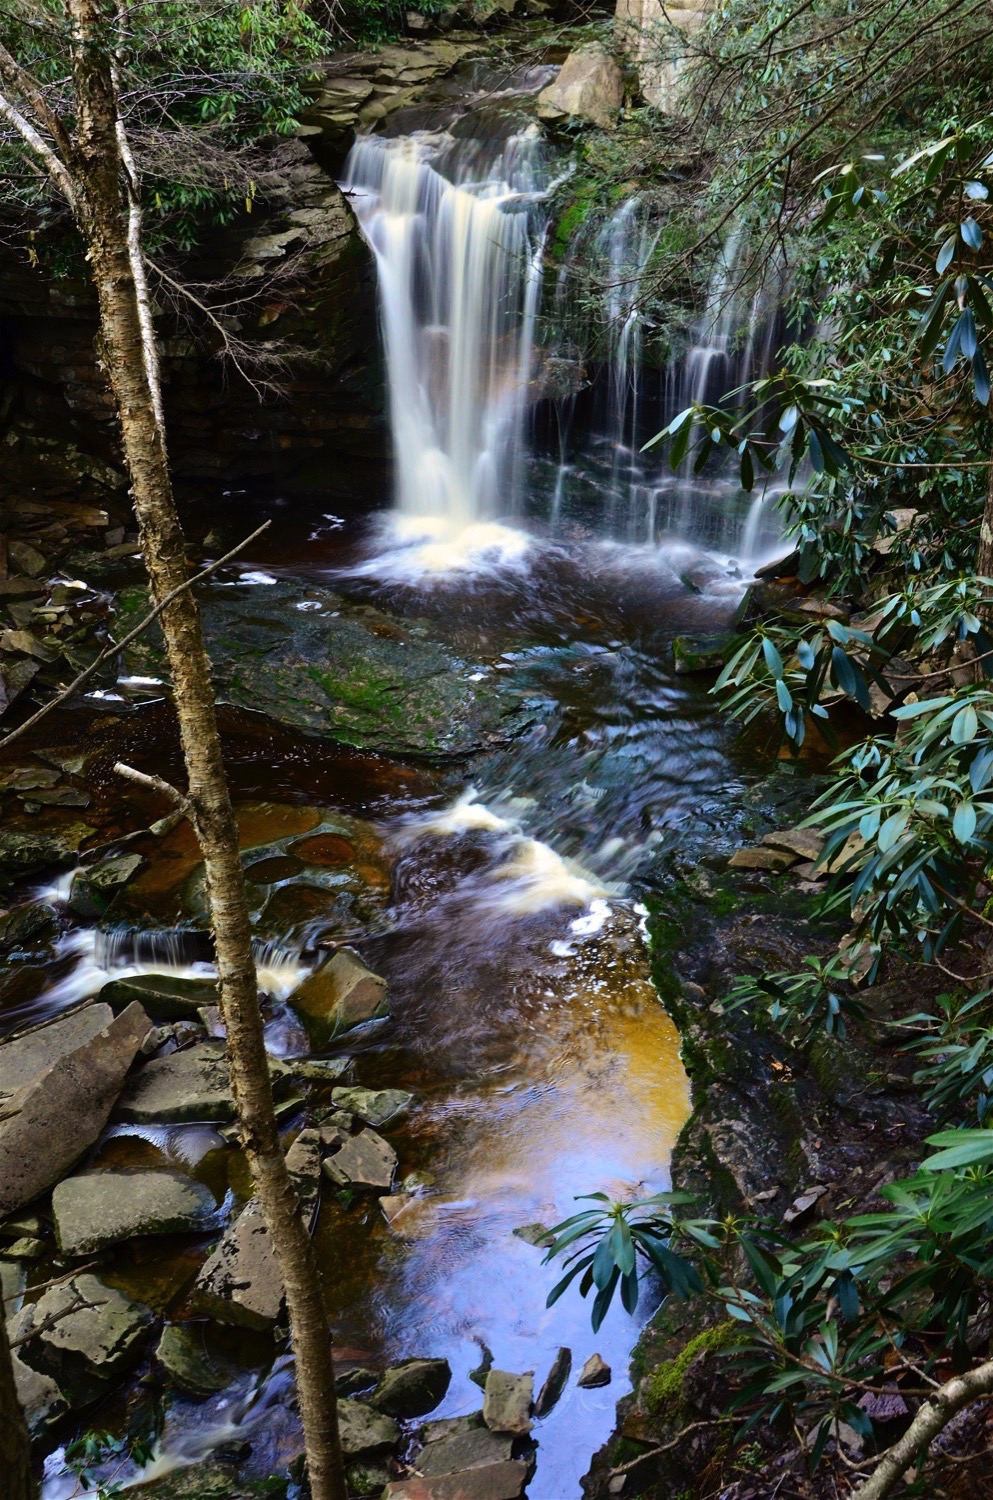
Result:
[[501, 901]]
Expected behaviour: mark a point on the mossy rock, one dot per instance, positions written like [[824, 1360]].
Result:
[[665, 1395], [351, 673]]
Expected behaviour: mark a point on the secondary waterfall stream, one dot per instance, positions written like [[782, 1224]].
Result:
[[499, 896]]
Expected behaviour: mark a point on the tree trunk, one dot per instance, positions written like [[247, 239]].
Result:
[[104, 212], [15, 1445], [935, 1413]]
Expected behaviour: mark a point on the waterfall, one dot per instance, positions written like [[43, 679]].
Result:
[[458, 226], [457, 229]]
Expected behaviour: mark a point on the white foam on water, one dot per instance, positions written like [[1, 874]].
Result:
[[535, 878], [466, 815], [103, 956], [424, 551]]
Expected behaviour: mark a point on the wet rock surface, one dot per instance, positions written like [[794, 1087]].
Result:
[[342, 993], [507, 1402], [413, 1388], [351, 673], [191, 1085], [83, 1334], [96, 1209], [52, 1119]]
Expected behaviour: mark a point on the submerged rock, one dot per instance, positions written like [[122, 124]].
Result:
[[341, 994], [507, 1401], [413, 1388], [51, 1120], [87, 1335], [96, 1209], [349, 672], [374, 1106], [34, 920], [701, 653]]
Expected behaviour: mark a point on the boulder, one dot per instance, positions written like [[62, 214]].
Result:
[[367, 1478], [22, 923], [503, 1481], [364, 1430], [28, 853], [188, 1086], [374, 1106], [360, 1161], [413, 1388], [595, 1372], [467, 1444], [88, 1335], [166, 997], [701, 653], [50, 1121], [41, 1400], [240, 1282], [181, 1356], [341, 994], [507, 1401], [96, 1209], [23, 1058], [93, 890], [589, 87], [554, 1383]]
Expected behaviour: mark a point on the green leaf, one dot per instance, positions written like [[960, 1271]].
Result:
[[964, 822], [963, 1148]]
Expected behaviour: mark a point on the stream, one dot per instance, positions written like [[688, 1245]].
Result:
[[497, 893]]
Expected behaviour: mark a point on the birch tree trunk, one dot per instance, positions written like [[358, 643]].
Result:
[[107, 212]]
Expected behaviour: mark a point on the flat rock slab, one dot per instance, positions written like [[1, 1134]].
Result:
[[761, 859], [52, 1120], [803, 843], [507, 1401], [413, 1388], [303, 1162], [374, 1106], [188, 1086], [360, 1161], [96, 1209], [240, 1282], [503, 1481], [94, 1333], [22, 1059], [42, 1403], [364, 1430], [166, 997], [348, 672], [470, 1445]]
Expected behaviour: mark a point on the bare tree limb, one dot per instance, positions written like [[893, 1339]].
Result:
[[117, 646], [154, 784], [932, 1416]]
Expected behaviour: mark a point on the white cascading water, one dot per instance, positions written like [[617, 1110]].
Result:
[[457, 228]]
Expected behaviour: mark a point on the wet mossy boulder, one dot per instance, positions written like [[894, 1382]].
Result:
[[311, 660], [165, 997], [701, 653], [413, 1388]]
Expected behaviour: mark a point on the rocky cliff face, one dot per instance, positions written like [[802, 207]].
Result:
[[313, 295]]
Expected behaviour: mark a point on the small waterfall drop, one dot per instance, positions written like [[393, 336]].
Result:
[[457, 228]]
